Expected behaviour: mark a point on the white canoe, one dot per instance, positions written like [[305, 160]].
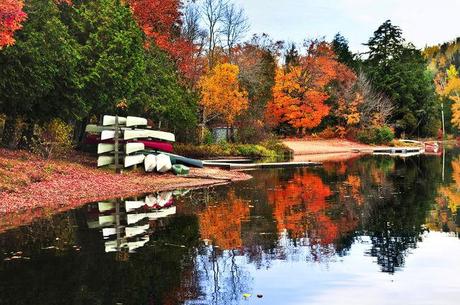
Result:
[[150, 163], [133, 231], [164, 198], [103, 148], [135, 121], [145, 133], [130, 148], [109, 120], [151, 200], [106, 206], [105, 160], [134, 147], [133, 205], [114, 246], [106, 232], [138, 244], [134, 160], [163, 163], [107, 220], [107, 134], [135, 218]]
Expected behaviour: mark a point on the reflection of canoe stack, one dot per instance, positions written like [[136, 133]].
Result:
[[151, 147], [129, 228]]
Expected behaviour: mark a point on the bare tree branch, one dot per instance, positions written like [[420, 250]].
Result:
[[235, 26]]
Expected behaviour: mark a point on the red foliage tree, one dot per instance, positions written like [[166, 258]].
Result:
[[161, 21], [301, 91], [11, 17]]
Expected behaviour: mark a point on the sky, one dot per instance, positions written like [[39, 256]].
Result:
[[424, 22]]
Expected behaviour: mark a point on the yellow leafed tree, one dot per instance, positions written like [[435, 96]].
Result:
[[452, 90], [222, 95]]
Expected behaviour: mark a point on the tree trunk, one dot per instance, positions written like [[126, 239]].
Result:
[[9, 132]]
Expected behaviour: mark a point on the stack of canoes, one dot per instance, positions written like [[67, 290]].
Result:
[[152, 148], [127, 226]]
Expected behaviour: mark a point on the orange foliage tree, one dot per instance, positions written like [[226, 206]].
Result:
[[222, 95], [161, 21], [11, 17], [299, 207], [221, 223], [301, 91]]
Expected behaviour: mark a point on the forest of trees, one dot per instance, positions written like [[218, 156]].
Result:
[[188, 66]]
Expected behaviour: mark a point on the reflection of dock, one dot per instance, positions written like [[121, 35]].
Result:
[[400, 151], [125, 225], [230, 166]]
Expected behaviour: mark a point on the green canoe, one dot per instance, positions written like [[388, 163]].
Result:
[[180, 170]]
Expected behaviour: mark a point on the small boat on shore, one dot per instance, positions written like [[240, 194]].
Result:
[[163, 163]]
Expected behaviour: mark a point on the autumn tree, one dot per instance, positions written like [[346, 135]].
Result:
[[257, 62], [301, 91], [11, 18], [222, 95], [161, 20]]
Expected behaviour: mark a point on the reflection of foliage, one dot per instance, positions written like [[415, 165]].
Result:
[[445, 217], [395, 215], [160, 273], [222, 223]]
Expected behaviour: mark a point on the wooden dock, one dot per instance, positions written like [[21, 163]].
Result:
[[245, 166]]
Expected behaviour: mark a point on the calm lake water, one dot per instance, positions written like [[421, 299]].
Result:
[[374, 230]]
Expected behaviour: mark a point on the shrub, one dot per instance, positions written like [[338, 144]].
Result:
[[384, 135], [52, 139], [381, 135]]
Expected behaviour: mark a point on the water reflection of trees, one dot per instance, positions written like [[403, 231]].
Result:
[[397, 204], [305, 214]]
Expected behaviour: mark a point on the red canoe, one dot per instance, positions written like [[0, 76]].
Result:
[[155, 145]]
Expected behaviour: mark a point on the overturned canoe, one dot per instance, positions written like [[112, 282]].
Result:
[[163, 163], [134, 147], [135, 121], [106, 206], [157, 145], [103, 148], [105, 160], [150, 163], [145, 133], [108, 132], [109, 120], [133, 160]]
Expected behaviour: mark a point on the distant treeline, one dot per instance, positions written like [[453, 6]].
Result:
[[185, 65]]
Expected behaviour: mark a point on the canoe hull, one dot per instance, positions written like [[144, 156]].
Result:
[[135, 121], [150, 163], [109, 120], [163, 163], [134, 160]]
